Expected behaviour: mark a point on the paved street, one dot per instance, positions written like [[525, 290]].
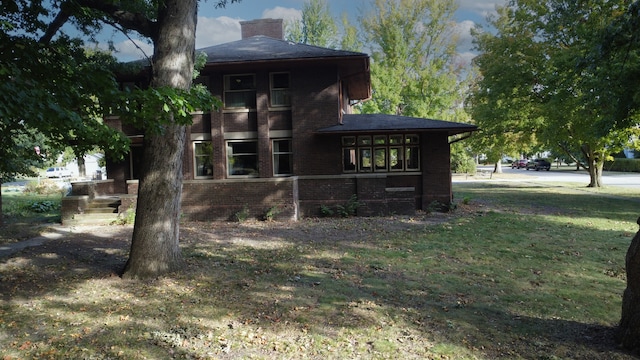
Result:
[[563, 174]]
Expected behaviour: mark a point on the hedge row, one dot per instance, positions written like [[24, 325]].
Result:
[[624, 165]]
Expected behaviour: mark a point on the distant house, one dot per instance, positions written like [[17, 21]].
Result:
[[287, 137]]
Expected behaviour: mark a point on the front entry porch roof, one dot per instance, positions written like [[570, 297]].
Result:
[[383, 123]]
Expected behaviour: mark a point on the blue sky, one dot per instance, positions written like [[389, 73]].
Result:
[[216, 26]]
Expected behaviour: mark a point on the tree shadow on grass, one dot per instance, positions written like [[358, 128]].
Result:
[[320, 288]]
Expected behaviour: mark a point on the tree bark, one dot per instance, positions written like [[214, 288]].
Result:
[[155, 242], [628, 333]]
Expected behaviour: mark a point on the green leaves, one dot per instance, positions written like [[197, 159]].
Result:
[[536, 84], [151, 109]]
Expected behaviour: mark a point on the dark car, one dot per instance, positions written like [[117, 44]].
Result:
[[519, 164], [538, 164]]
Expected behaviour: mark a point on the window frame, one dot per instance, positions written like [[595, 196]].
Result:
[[285, 90], [281, 153], [195, 159], [229, 155], [373, 153], [227, 89]]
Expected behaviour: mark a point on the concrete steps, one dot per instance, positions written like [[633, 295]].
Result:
[[99, 211]]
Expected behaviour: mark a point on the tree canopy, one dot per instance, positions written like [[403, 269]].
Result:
[[539, 85]]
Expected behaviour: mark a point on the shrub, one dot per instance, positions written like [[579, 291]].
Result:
[[46, 187], [126, 218], [43, 206], [347, 209], [242, 215], [271, 213], [624, 165]]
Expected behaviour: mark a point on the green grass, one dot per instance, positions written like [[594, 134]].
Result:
[[25, 215], [519, 272]]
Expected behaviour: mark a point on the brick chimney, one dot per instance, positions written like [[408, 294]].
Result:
[[268, 27]]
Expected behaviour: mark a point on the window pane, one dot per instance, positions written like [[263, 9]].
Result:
[[364, 140], [280, 81], [348, 141], [203, 152], [395, 139], [412, 139], [365, 159], [349, 159], [282, 157], [282, 164], [413, 158], [240, 99], [395, 159], [380, 159], [243, 158], [280, 97], [240, 82], [379, 140]]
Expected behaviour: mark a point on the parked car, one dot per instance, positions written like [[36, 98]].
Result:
[[538, 164], [519, 164], [58, 172]]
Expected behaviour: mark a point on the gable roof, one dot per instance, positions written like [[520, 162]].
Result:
[[368, 123], [264, 48]]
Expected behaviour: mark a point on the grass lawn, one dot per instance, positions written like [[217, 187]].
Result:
[[517, 271]]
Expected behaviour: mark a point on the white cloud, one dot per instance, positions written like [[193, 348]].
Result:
[[279, 12], [133, 49], [214, 31], [465, 40]]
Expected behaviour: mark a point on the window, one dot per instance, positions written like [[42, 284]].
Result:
[[203, 159], [242, 158], [240, 91], [381, 153], [280, 93], [282, 157]]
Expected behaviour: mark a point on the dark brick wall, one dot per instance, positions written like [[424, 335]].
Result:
[[436, 169], [204, 200]]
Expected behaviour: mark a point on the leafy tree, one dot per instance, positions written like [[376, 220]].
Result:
[[317, 26], [47, 92], [615, 61], [535, 88], [413, 71], [162, 110]]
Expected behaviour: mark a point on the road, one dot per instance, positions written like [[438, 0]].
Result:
[[568, 174]]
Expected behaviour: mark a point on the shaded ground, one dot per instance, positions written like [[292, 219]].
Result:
[[269, 284]]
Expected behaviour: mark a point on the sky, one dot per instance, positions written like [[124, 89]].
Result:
[[220, 25]]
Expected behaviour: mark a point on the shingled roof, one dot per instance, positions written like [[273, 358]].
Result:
[[264, 48], [368, 123]]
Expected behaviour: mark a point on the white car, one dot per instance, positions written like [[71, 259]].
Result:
[[58, 172]]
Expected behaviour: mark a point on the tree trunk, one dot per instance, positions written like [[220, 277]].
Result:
[[595, 171], [1, 215], [497, 169], [628, 333], [155, 242], [82, 167]]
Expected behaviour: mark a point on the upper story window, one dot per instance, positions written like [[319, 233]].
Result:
[[280, 91], [240, 91], [381, 153]]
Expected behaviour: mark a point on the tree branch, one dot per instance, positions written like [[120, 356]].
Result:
[[126, 19]]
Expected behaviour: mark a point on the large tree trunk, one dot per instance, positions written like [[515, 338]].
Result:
[[154, 247], [629, 330]]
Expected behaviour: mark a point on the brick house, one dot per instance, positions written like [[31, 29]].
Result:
[[287, 138]]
